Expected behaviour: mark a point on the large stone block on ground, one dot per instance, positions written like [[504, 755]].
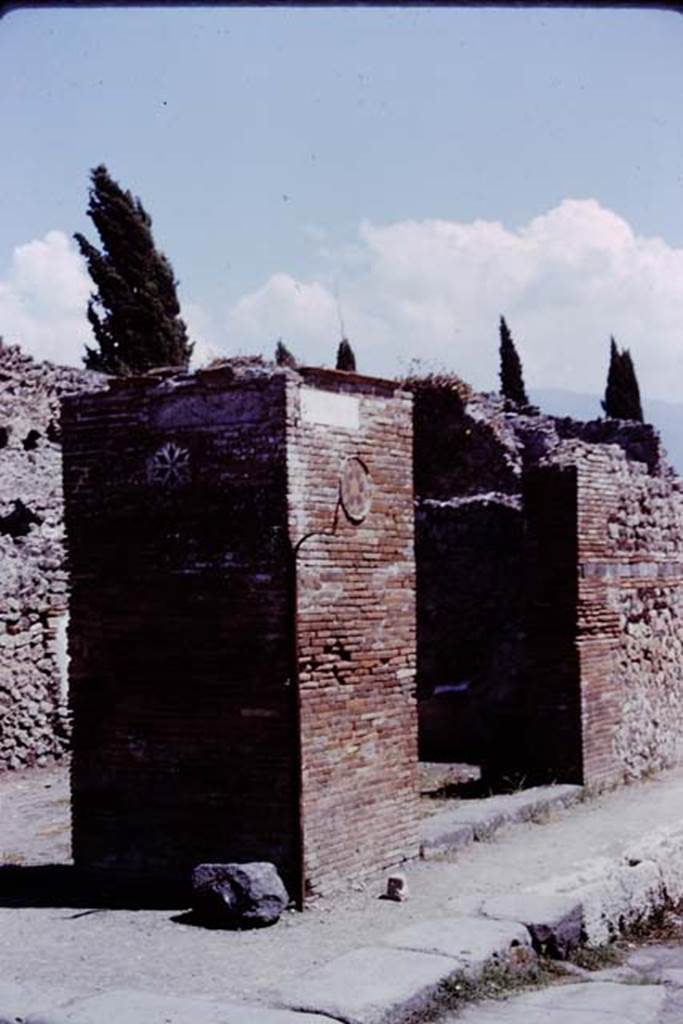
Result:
[[584, 1003], [624, 894], [664, 847], [127, 1007], [470, 941], [591, 904], [238, 895], [369, 986]]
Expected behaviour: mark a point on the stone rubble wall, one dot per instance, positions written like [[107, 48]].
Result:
[[605, 578], [630, 615], [34, 721]]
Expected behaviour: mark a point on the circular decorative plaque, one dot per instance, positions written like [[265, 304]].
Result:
[[169, 466], [355, 490]]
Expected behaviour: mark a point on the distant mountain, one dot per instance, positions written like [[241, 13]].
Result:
[[667, 417]]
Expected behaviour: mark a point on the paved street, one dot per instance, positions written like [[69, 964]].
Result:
[[60, 950], [647, 989]]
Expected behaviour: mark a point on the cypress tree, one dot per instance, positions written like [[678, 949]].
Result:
[[134, 312], [622, 394], [612, 400], [283, 357], [511, 380], [346, 360]]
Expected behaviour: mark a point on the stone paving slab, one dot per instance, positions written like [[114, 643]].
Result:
[[129, 1007], [470, 941], [479, 820], [554, 919], [583, 1003], [368, 986], [656, 964]]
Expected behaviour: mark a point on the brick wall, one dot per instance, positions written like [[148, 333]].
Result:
[[184, 725], [624, 637], [356, 629], [196, 735]]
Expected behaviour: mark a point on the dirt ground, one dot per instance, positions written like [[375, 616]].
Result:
[[35, 816], [61, 944]]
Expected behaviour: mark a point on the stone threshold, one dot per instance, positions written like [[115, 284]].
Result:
[[478, 820]]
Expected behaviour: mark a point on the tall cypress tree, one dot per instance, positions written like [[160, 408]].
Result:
[[511, 380], [622, 394], [283, 357], [346, 360], [134, 313]]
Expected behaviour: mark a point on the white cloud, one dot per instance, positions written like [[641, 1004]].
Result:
[[431, 290], [43, 303], [43, 300], [286, 306], [201, 331], [434, 290]]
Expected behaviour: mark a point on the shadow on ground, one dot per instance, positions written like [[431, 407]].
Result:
[[61, 885]]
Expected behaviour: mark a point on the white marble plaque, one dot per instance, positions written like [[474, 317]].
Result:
[[329, 408]]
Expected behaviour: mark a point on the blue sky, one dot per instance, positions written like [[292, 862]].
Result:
[[430, 167]]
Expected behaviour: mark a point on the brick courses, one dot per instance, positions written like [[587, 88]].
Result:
[[356, 635], [548, 590], [616, 636], [187, 498]]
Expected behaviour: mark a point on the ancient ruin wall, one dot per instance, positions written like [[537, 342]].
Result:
[[184, 725], [355, 625], [605, 645], [242, 640], [489, 570], [34, 721], [630, 615]]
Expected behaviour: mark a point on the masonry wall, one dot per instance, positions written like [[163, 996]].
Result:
[[630, 622], [513, 651], [185, 725], [34, 719], [622, 642], [356, 627], [242, 641]]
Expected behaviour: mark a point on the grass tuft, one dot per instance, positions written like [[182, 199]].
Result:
[[498, 980]]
